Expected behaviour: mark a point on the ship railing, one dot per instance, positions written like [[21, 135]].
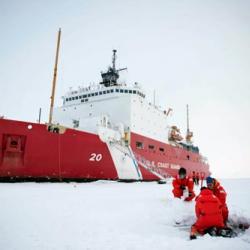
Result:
[[96, 87], [91, 87]]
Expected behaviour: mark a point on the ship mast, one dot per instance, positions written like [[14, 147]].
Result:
[[187, 120], [54, 77], [113, 59], [189, 134], [110, 77]]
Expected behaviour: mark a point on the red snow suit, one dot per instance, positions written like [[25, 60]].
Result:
[[181, 184], [221, 194], [208, 211]]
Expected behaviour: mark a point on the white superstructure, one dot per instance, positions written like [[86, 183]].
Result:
[[84, 108], [119, 104]]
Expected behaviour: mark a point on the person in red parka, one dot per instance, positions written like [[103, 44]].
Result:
[[220, 193], [181, 183], [208, 209]]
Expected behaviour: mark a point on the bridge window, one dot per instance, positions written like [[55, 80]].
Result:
[[84, 100], [96, 93], [75, 123], [161, 149], [117, 90], [108, 91], [151, 146], [139, 145], [121, 90], [111, 90], [130, 91], [126, 91], [134, 91]]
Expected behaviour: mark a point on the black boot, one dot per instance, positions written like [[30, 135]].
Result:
[[193, 237], [212, 231], [225, 232]]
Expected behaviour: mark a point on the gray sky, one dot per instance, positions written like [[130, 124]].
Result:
[[195, 52]]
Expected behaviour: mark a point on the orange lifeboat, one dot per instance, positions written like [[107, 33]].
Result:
[[175, 134]]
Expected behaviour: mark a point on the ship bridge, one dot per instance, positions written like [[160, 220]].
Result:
[[107, 88], [83, 108], [97, 93]]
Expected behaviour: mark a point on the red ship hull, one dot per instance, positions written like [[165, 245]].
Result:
[[30, 151]]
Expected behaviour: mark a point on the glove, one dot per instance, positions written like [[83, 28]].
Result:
[[193, 237], [189, 198]]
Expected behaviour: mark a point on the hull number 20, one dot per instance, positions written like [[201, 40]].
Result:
[[95, 157]]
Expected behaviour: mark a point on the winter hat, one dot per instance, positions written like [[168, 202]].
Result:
[[182, 172], [209, 180]]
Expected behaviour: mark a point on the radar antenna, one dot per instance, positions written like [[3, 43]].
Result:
[[110, 77]]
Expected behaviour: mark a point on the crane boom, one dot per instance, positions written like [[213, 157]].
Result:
[[52, 97]]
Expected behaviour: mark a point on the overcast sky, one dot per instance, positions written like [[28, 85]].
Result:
[[189, 51]]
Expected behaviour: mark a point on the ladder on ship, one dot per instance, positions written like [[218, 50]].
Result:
[[137, 159], [126, 150]]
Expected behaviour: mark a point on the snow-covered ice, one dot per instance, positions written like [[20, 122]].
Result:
[[109, 215]]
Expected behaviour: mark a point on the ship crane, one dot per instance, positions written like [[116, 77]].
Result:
[[54, 78], [110, 77]]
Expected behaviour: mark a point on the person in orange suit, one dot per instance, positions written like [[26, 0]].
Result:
[[220, 193], [182, 183], [208, 209]]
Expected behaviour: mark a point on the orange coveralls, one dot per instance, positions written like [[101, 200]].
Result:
[[180, 184], [221, 194], [208, 209]]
